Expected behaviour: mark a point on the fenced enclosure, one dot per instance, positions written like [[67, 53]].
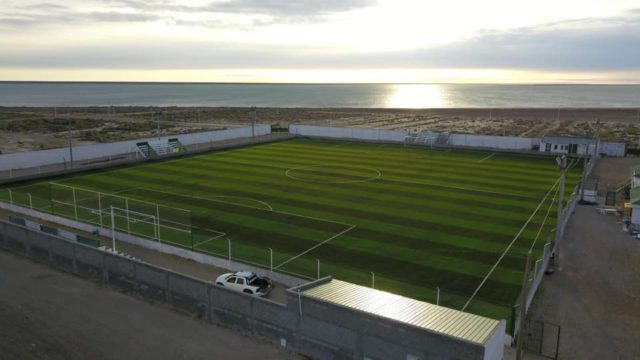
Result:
[[394, 217]]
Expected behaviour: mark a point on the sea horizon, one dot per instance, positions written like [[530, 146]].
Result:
[[318, 95]]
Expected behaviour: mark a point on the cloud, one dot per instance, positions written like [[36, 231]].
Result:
[[603, 44], [260, 12]]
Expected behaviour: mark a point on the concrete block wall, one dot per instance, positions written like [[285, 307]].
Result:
[[94, 151], [312, 327], [348, 133]]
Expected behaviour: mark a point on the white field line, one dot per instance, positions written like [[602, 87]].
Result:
[[504, 253], [220, 234], [365, 178], [315, 246], [456, 187], [252, 207], [487, 157], [545, 219]]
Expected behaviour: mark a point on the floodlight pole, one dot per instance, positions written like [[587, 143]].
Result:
[[562, 163], [113, 230], [70, 143], [253, 124]]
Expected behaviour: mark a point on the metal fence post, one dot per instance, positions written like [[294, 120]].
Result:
[[30, 201], [158, 221], [75, 205], [100, 209]]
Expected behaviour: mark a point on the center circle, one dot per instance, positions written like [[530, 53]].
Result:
[[332, 174]]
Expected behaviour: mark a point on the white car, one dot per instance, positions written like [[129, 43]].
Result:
[[246, 282]]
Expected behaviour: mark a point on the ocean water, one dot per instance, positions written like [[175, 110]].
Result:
[[320, 95]]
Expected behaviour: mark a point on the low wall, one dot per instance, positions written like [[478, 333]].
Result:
[[460, 140], [348, 133], [311, 327], [43, 158], [493, 142], [612, 149]]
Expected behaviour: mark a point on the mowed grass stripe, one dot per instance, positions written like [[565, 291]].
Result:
[[412, 244], [235, 175], [418, 164], [424, 160], [470, 157], [392, 229], [277, 177], [433, 174], [435, 220]]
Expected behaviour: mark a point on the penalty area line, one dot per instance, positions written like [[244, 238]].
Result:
[[315, 246]]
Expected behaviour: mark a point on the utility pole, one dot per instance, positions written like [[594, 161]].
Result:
[[70, 142], [253, 124], [523, 307], [562, 163]]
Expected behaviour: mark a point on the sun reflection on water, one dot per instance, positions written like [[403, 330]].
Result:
[[416, 96]]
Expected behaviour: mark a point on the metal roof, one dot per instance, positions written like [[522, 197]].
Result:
[[568, 140], [438, 319]]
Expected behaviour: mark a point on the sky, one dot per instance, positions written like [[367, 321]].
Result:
[[327, 41]]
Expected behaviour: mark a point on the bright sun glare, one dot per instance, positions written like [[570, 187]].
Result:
[[416, 96]]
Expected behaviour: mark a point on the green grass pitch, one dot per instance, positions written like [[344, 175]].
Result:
[[419, 219]]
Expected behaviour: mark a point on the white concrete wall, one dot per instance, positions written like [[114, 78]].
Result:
[[348, 133], [494, 347], [87, 152], [613, 149], [635, 214], [496, 142]]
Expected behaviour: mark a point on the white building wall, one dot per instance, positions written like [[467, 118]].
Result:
[[635, 214]]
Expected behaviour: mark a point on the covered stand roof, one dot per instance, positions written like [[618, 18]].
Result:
[[568, 140], [438, 319]]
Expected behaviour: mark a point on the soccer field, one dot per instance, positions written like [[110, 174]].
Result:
[[419, 219]]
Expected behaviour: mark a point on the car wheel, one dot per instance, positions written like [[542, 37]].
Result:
[[247, 291]]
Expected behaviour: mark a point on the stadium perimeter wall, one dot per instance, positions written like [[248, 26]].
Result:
[[28, 171], [122, 148], [506, 143], [309, 326]]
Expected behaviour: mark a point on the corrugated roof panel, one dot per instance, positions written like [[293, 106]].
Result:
[[439, 319]]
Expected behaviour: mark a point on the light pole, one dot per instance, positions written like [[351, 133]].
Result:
[[113, 231], [253, 124], [270, 260], [70, 142], [562, 163]]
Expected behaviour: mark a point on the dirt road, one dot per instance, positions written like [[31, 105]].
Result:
[[596, 297], [46, 314]]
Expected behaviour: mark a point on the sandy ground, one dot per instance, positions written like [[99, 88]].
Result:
[[596, 297], [46, 314], [25, 129]]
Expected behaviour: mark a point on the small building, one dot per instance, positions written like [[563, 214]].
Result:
[[572, 145]]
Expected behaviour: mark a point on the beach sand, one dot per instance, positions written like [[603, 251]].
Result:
[[26, 129]]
